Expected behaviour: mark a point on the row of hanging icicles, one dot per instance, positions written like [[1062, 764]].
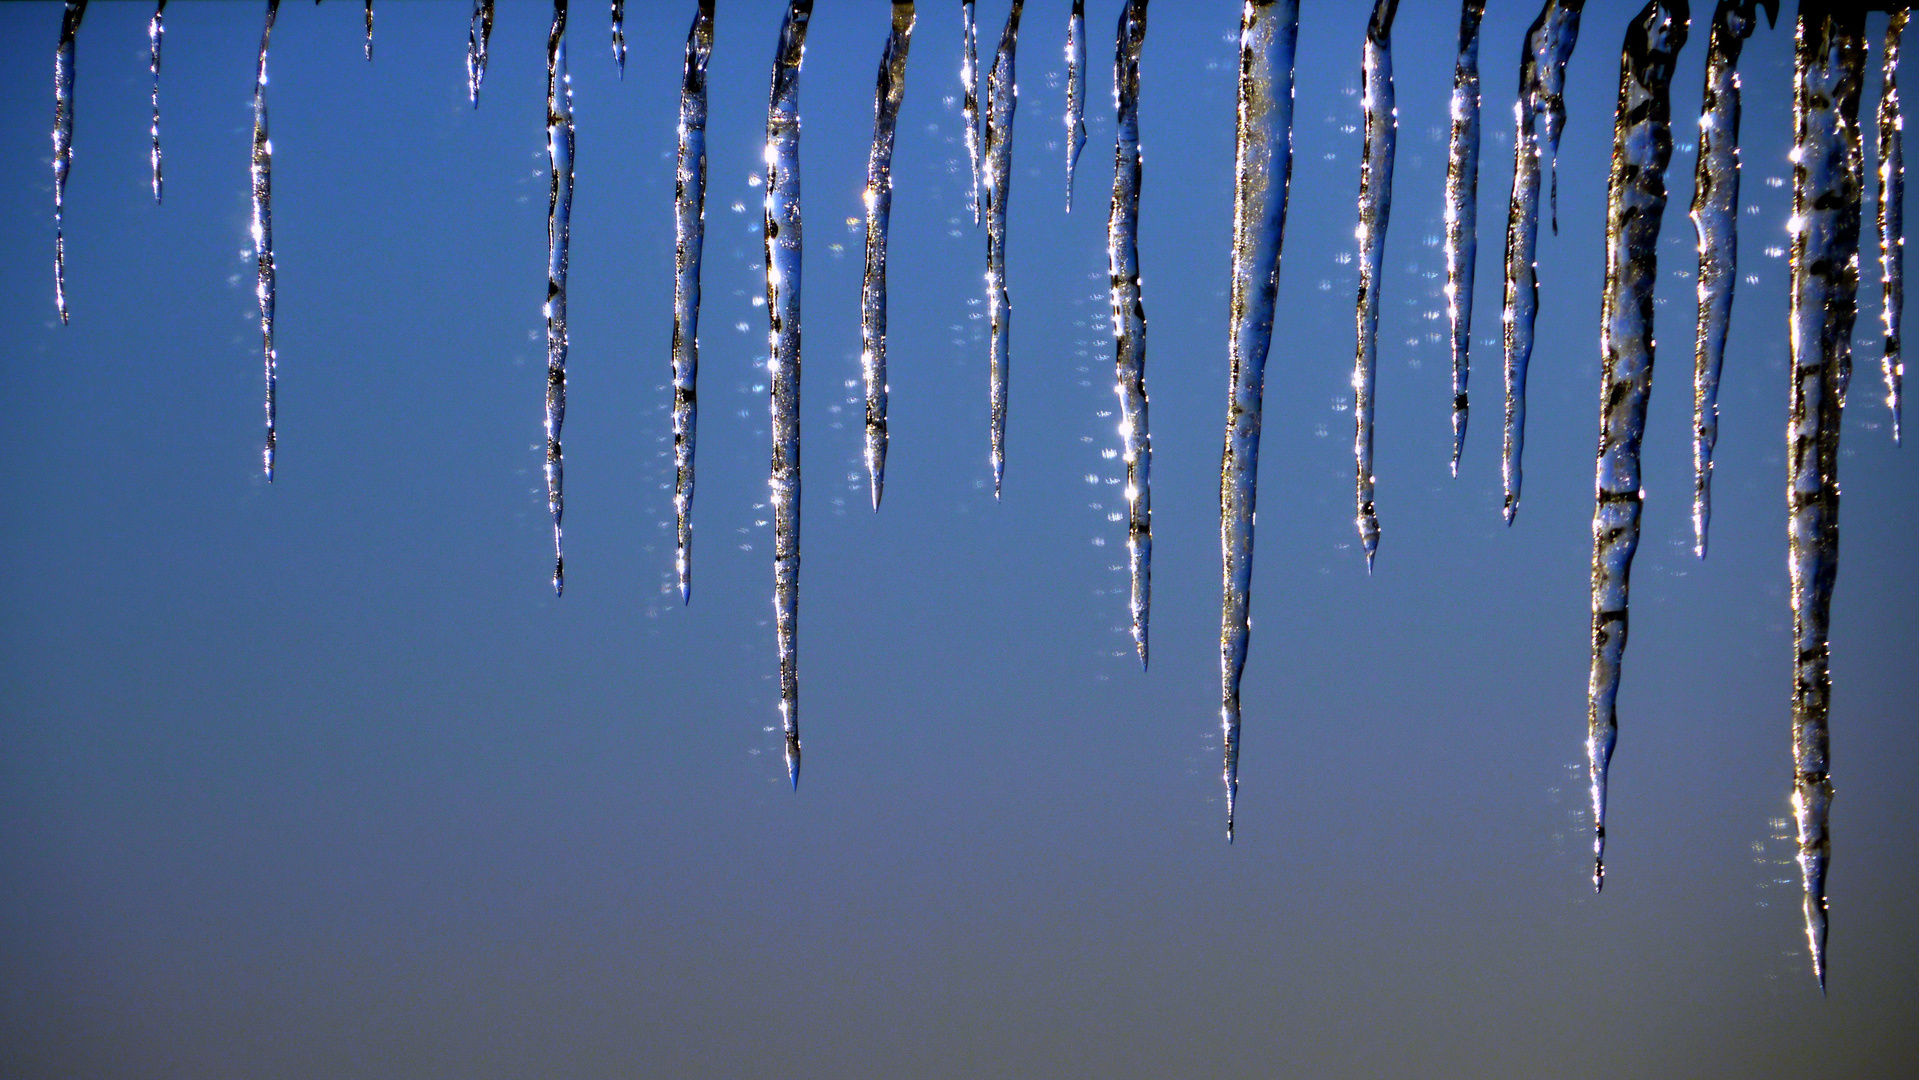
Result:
[[1828, 182]]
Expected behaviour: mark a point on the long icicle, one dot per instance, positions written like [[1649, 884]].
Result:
[[619, 35], [782, 233], [1262, 176], [969, 101], [1075, 93], [1002, 97], [263, 229], [1635, 203], [1462, 210], [879, 207], [156, 30], [1129, 317], [1829, 59], [559, 218], [1542, 76], [63, 145], [689, 238], [1892, 216], [1715, 217], [480, 29], [1375, 211]]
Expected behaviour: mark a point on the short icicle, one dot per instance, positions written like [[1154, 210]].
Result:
[[879, 207], [263, 230], [1129, 317], [1262, 176], [369, 31], [1715, 217], [1462, 210], [689, 238], [969, 101], [782, 233], [1829, 60], [559, 218], [63, 145], [156, 30], [1375, 210], [1540, 112], [1635, 203], [1002, 97], [478, 31], [1892, 216], [1075, 93], [619, 36]]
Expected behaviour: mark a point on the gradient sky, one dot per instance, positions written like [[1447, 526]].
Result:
[[320, 780]]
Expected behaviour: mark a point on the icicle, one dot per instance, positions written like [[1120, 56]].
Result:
[[63, 145], [263, 226], [879, 206], [156, 29], [1892, 214], [369, 31], [1462, 210], [1002, 96], [689, 237], [1262, 176], [476, 37], [783, 338], [559, 216], [1375, 210], [1828, 69], [619, 35], [1542, 78], [1075, 93], [1129, 316], [1715, 217], [1635, 203], [969, 104]]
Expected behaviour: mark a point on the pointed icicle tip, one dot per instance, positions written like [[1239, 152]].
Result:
[[1369, 562], [793, 761], [1512, 510], [878, 487], [1599, 876]]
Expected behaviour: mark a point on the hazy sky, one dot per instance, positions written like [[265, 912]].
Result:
[[320, 780]]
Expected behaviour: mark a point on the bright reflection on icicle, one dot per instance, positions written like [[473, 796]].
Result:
[[879, 205], [1462, 210], [1002, 97], [1375, 210], [480, 29], [263, 228], [619, 35], [689, 239], [63, 145], [1129, 317], [156, 30], [1892, 216], [1075, 93], [1262, 175], [559, 218], [969, 103], [369, 31]]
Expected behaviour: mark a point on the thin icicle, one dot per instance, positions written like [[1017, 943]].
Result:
[[1539, 115], [1075, 93], [1002, 97], [1262, 176], [619, 35], [1892, 216], [879, 206], [782, 232], [689, 237], [369, 31], [1129, 316], [63, 145], [477, 34], [1829, 60], [1462, 210], [1715, 217], [559, 217], [969, 103], [263, 228], [1375, 211], [156, 30], [1635, 203]]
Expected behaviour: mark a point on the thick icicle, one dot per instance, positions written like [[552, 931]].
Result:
[[619, 35], [879, 207], [477, 34], [1715, 217], [63, 145], [263, 228], [1002, 96], [156, 30], [1375, 210], [1539, 115], [1075, 93], [1262, 175], [1462, 210], [1635, 203], [689, 237], [1129, 317], [1827, 176], [559, 217], [1892, 215], [369, 31], [969, 103], [782, 232]]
